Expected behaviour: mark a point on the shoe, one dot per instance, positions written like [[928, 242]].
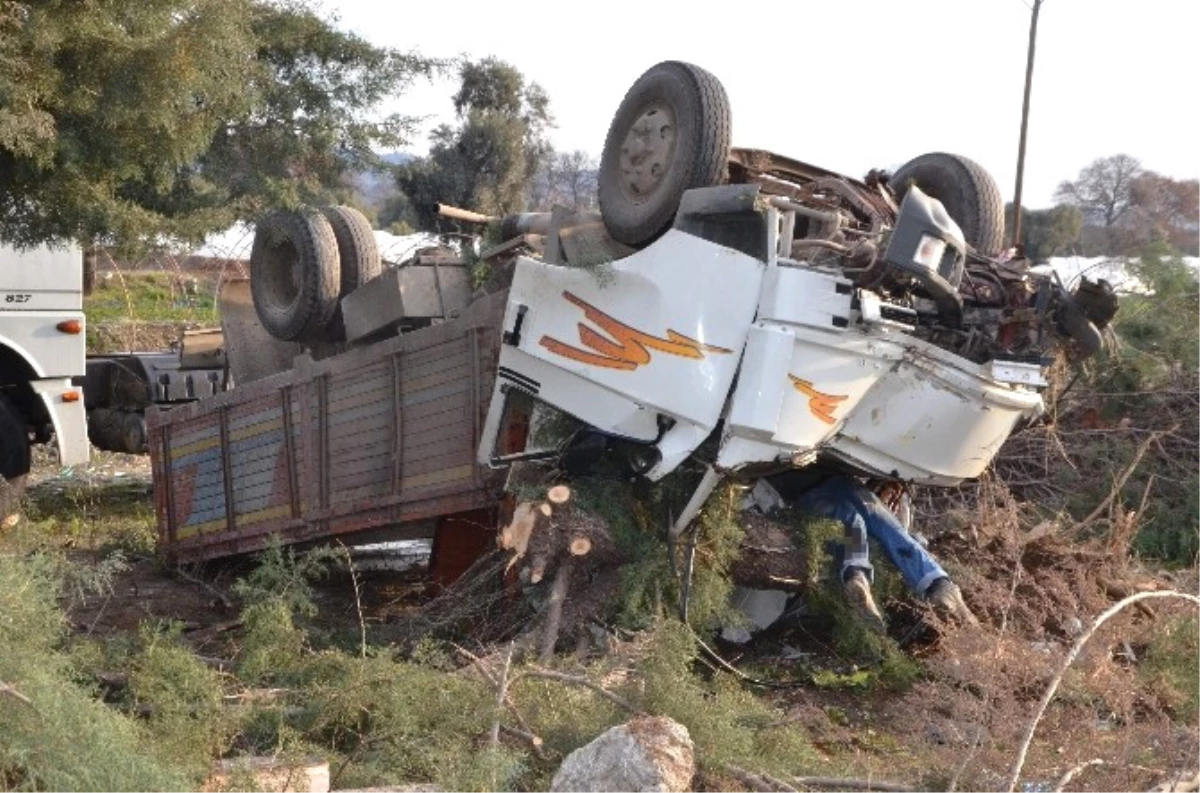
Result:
[[946, 598], [858, 592]]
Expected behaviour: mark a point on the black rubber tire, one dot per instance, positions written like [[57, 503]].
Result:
[[702, 133], [14, 458], [295, 274], [966, 189], [358, 257]]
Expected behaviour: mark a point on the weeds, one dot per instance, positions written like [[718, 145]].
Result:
[[115, 517], [152, 297], [1170, 670]]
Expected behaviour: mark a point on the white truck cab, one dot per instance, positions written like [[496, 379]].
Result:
[[42, 347]]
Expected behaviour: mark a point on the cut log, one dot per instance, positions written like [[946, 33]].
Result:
[[558, 595], [516, 535], [580, 545], [559, 495]]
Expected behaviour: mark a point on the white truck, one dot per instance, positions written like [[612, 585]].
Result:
[[732, 307], [42, 348], [51, 390]]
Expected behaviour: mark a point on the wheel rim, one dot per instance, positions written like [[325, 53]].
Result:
[[646, 152], [283, 275]]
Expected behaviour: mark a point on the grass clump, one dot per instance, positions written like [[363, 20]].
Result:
[[112, 517], [1171, 671]]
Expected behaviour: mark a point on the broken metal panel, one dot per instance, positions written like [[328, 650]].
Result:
[[429, 288]]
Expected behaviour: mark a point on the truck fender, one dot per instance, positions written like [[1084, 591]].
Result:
[[68, 416]]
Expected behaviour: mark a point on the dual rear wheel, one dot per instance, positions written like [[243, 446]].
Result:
[[672, 133]]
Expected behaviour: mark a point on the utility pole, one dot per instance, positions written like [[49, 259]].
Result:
[[1016, 237]]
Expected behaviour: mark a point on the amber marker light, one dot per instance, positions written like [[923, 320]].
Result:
[[70, 396], [72, 326]]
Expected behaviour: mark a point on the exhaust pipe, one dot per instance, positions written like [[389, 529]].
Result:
[[524, 223], [447, 211]]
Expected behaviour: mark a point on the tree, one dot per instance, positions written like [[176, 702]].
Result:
[[135, 120], [1168, 209], [1048, 232], [1103, 191], [567, 179], [487, 161]]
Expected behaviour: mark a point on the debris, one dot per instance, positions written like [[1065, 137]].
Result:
[[647, 753], [1181, 782], [1015, 773]]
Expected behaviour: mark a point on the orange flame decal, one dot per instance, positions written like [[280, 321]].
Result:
[[628, 348], [822, 405]]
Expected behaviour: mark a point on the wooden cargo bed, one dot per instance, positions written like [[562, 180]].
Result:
[[378, 438]]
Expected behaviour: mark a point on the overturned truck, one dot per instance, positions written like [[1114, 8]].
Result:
[[731, 308]]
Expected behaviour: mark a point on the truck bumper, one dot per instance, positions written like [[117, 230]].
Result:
[[64, 404]]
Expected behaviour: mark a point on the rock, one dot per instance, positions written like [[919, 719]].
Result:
[[269, 774], [649, 753], [1074, 626]]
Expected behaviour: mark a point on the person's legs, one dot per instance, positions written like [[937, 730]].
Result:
[[916, 565], [862, 513], [829, 500], [834, 498]]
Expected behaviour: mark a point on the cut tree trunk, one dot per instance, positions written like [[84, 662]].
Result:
[[553, 538]]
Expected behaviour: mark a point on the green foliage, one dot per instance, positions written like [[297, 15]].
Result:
[[384, 721], [187, 723], [727, 723], [637, 517], [1155, 328], [486, 162], [1170, 668], [132, 121], [854, 642], [284, 576], [1149, 381], [64, 738], [1047, 232]]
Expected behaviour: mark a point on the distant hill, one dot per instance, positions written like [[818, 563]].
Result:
[[376, 187]]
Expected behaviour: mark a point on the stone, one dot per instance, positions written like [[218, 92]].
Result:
[[270, 774], [648, 753]]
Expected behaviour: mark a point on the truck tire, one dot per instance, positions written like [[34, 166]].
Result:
[[358, 257], [966, 189], [14, 458], [670, 134], [295, 274]]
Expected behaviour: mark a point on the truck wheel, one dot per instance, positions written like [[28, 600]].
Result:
[[294, 274], [967, 191], [14, 458], [358, 255], [670, 134]]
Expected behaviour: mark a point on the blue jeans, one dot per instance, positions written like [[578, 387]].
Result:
[[863, 514]]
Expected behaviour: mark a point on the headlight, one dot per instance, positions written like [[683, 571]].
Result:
[[929, 252]]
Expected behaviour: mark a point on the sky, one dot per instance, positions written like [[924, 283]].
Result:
[[847, 85]]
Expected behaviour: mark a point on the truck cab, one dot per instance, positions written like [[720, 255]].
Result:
[[42, 347]]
